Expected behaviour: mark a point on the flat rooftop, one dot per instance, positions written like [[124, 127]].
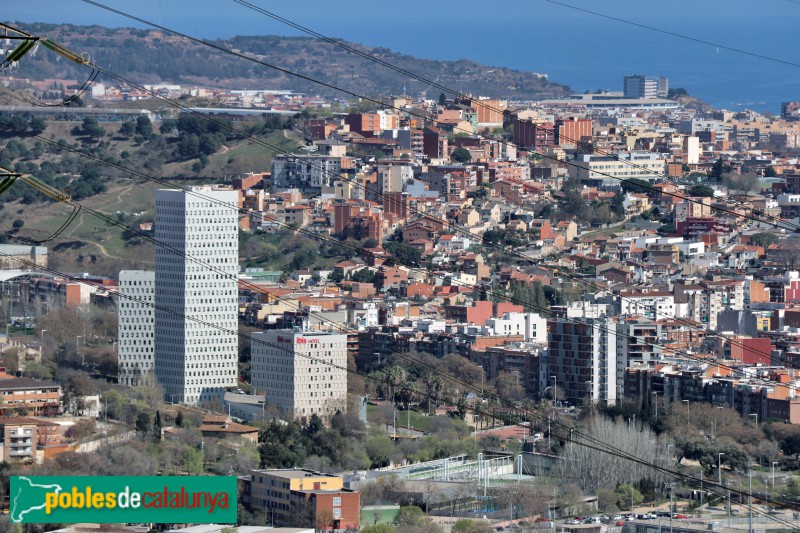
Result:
[[293, 473]]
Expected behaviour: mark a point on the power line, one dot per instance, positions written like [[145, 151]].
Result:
[[478, 103], [68, 276], [475, 103], [595, 443], [510, 299], [674, 34], [82, 61]]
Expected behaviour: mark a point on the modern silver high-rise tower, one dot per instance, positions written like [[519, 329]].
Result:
[[196, 349], [135, 318]]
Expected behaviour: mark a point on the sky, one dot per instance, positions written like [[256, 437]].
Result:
[[224, 18]]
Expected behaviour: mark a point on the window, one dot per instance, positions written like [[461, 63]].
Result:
[[337, 501], [337, 512]]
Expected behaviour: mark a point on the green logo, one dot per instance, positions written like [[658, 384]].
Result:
[[113, 500]]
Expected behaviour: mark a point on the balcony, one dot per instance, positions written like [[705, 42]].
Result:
[[20, 453]]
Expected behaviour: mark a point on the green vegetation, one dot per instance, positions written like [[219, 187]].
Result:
[[702, 190], [148, 57], [461, 155], [764, 239]]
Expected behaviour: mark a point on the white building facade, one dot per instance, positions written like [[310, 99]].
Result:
[[531, 326], [301, 372], [196, 345], [135, 312]]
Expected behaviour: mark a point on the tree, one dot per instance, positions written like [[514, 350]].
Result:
[[92, 129], [606, 499], [628, 497], [144, 127], [193, 461], [461, 155], [377, 528], [409, 515], [702, 190], [38, 125], [38, 371], [594, 468], [76, 387], [179, 419], [718, 168], [787, 253], [764, 239], [744, 183], [636, 185], [770, 172], [442, 98], [465, 525], [143, 422], [127, 129]]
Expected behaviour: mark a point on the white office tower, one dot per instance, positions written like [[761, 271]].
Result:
[[196, 349], [301, 372], [135, 322]]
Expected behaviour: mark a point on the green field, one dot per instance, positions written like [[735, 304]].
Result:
[[378, 514], [419, 421], [127, 198]]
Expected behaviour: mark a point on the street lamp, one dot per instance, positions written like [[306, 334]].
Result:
[[77, 347], [655, 410], [719, 466], [773, 475], [687, 412], [43, 336], [172, 399]]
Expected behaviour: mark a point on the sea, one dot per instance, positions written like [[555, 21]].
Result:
[[583, 51], [588, 54]]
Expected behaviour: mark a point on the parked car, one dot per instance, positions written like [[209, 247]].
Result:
[[679, 516], [619, 523]]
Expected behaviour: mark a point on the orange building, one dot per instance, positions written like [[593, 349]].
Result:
[[27, 439], [31, 396]]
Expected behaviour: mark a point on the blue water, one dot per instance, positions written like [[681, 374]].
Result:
[[588, 54], [583, 51]]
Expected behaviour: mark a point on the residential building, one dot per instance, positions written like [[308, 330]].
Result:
[[196, 317], [135, 312], [304, 498], [608, 171], [583, 359], [531, 326], [30, 396], [28, 439], [222, 427], [301, 372], [306, 172]]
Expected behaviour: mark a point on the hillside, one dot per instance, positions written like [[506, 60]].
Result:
[[151, 56]]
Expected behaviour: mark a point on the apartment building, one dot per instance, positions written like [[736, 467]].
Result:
[[608, 171], [135, 312], [303, 498], [306, 172], [31, 396], [27, 439], [582, 358]]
